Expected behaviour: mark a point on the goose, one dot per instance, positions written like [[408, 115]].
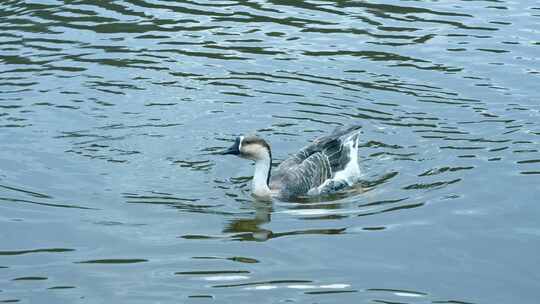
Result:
[[328, 164]]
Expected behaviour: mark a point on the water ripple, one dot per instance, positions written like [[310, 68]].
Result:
[[101, 101]]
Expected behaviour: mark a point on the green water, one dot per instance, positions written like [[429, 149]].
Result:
[[111, 114]]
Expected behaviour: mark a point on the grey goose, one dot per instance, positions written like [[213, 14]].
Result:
[[328, 164]]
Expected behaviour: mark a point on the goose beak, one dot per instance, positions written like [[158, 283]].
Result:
[[231, 150]]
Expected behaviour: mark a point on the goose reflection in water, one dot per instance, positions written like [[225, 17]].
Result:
[[249, 229]]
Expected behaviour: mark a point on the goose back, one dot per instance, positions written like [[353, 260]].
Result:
[[314, 165]]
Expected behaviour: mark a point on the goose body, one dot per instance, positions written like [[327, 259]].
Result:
[[328, 164]]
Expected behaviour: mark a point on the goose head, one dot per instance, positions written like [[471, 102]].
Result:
[[258, 150], [250, 147]]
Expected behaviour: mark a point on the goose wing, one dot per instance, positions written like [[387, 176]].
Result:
[[330, 146], [299, 179]]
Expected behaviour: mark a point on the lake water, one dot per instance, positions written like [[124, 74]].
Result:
[[111, 114]]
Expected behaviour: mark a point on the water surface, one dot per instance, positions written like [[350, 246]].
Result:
[[111, 114]]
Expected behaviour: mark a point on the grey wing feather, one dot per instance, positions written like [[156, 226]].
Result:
[[330, 146], [297, 180]]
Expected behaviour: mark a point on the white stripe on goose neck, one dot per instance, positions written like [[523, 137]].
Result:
[[240, 143]]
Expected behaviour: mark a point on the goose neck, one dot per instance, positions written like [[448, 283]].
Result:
[[261, 177]]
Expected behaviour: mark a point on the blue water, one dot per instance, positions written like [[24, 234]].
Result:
[[111, 114]]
